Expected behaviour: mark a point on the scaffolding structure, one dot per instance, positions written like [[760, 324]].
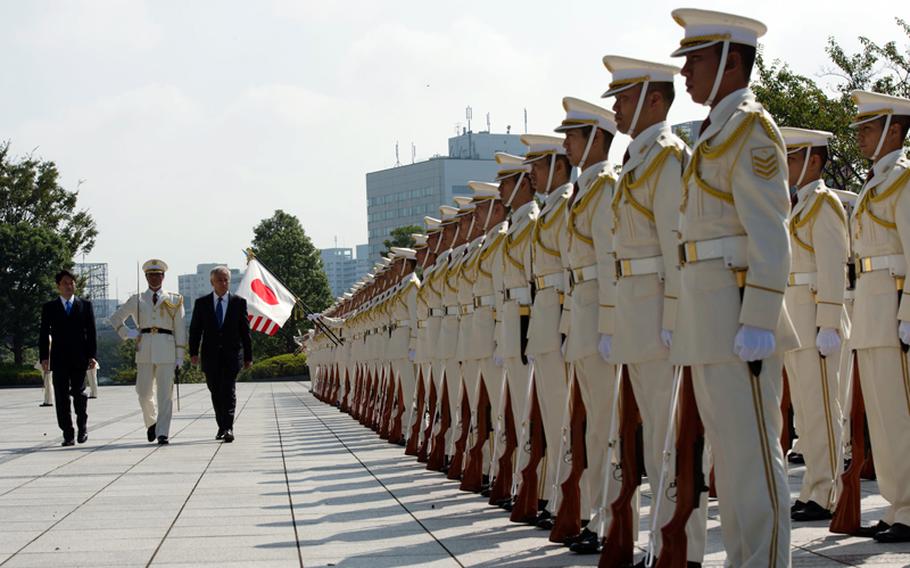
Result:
[[94, 281]]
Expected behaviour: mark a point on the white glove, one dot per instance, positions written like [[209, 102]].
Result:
[[827, 341], [605, 347], [498, 360], [666, 337], [903, 330], [312, 317], [753, 343], [530, 358], [132, 333], [178, 362], [411, 355]]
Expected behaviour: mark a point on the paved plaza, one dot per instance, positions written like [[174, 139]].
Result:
[[303, 485]]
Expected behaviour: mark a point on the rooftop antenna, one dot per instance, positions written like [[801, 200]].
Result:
[[488, 123], [469, 114], [413, 153], [397, 161], [526, 121]]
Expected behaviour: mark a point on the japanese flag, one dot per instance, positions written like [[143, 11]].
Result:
[[268, 303]]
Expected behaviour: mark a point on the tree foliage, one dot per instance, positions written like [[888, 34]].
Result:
[[41, 231], [282, 245], [401, 237]]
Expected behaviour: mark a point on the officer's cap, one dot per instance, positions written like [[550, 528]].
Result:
[[540, 146], [628, 72], [871, 106], [706, 27], [581, 113], [801, 138], [154, 266]]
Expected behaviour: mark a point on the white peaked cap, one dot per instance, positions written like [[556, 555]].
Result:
[[581, 113], [706, 27], [420, 240], [448, 213], [510, 165], [465, 204], [540, 146], [484, 190], [432, 224], [403, 252], [795, 138], [628, 72], [870, 106]]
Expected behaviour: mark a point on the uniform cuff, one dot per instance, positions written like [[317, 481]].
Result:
[[761, 307], [828, 315]]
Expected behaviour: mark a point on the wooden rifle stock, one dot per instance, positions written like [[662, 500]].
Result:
[[690, 477], [568, 518], [526, 502], [472, 478], [502, 484], [847, 515], [414, 435], [458, 454], [618, 548]]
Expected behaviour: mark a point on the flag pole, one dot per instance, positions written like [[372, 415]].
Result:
[[317, 323]]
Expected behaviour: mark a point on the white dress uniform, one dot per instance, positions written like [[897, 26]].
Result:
[[161, 344], [815, 302], [733, 227], [403, 311], [880, 228]]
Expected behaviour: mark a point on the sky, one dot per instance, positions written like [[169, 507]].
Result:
[[189, 122]]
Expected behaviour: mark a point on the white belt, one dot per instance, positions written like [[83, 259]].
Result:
[[437, 312], [802, 278], [402, 323], [734, 251], [585, 273], [894, 263], [466, 309], [452, 311], [522, 295], [639, 266], [555, 279], [484, 300]]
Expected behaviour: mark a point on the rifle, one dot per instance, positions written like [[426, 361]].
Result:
[[177, 384], [847, 516], [690, 477], [618, 550], [568, 514], [612, 443]]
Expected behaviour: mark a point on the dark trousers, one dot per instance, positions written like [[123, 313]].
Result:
[[70, 383], [222, 384]]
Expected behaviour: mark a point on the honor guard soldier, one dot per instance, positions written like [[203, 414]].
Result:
[[48, 378], [880, 228], [550, 175], [160, 335], [589, 131], [511, 279], [403, 339], [732, 327], [815, 302]]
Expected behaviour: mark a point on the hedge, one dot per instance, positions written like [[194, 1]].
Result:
[[287, 365], [19, 375]]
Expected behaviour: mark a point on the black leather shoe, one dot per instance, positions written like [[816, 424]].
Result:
[[796, 458], [220, 434], [45, 404], [546, 521], [898, 532], [68, 442], [812, 511], [590, 545], [83, 437], [91, 397], [162, 440], [150, 432], [797, 506], [228, 436], [504, 504], [583, 535], [871, 531]]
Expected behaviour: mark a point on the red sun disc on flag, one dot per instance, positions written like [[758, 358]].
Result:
[[264, 292]]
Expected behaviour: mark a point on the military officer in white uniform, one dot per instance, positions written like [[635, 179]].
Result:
[[881, 328], [815, 302], [732, 327], [160, 335]]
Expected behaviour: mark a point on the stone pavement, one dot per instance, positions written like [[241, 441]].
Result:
[[302, 485]]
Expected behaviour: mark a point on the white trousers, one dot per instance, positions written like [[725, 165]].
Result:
[[151, 377]]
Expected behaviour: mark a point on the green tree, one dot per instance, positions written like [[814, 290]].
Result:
[[281, 244], [401, 237], [41, 231]]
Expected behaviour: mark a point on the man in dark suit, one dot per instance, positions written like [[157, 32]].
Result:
[[221, 324], [69, 322]]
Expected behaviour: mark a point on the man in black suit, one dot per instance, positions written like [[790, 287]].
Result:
[[69, 322], [221, 324]]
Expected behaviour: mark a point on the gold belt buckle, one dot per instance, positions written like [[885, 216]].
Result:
[[154, 330], [866, 264]]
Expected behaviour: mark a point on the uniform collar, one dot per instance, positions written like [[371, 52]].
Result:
[[882, 168], [555, 196], [805, 193], [589, 174], [723, 110], [640, 145]]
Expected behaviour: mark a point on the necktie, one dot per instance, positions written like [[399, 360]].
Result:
[[219, 312], [154, 298], [625, 157], [704, 125], [68, 305]]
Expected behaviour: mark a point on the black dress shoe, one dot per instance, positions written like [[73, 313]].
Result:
[[871, 531], [797, 506], [898, 532], [220, 434], [162, 440], [150, 432], [83, 437], [68, 442], [583, 535], [796, 458], [589, 545], [812, 511], [92, 397], [544, 520], [228, 436], [45, 404]]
